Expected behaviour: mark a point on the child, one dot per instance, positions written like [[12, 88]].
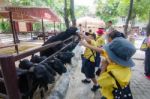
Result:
[[99, 38], [118, 55], [88, 61], [100, 42], [114, 34]]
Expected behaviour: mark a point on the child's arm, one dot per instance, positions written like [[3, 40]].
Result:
[[97, 49], [83, 36], [104, 66]]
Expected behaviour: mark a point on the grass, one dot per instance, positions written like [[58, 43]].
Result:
[[11, 50]]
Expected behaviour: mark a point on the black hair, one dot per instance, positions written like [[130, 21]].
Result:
[[90, 30], [115, 34], [93, 35], [110, 22], [80, 25], [101, 28], [148, 29]]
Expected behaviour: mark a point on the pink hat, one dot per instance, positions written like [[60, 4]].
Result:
[[100, 31]]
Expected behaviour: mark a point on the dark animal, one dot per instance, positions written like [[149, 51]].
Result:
[[39, 70], [2, 86], [65, 57], [23, 77], [70, 47], [38, 59], [60, 37], [42, 75], [25, 64], [37, 76], [57, 65]]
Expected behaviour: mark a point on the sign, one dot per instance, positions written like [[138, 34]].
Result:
[[22, 27]]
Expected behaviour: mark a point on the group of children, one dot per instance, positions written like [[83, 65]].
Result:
[[112, 58]]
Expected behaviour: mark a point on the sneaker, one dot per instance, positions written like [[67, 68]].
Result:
[[95, 88], [103, 97], [85, 81]]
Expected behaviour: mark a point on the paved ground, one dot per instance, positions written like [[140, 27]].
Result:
[[78, 90], [140, 86]]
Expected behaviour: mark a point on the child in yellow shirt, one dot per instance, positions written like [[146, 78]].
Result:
[[88, 61]]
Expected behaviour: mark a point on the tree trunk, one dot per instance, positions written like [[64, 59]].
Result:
[[73, 19], [128, 18], [149, 16], [66, 14]]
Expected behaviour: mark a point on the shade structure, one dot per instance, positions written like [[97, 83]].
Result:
[[91, 23], [17, 16], [30, 14]]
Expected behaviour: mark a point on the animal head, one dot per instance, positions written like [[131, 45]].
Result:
[[25, 64], [57, 65]]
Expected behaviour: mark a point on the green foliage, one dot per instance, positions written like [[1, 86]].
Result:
[[107, 10], [142, 9], [81, 11], [37, 26], [5, 26], [113, 8]]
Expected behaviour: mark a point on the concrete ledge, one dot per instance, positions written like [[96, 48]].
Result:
[[61, 87]]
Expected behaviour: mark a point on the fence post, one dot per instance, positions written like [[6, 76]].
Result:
[[10, 77]]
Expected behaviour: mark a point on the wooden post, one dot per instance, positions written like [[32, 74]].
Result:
[[16, 34], [10, 77], [60, 27], [12, 27], [54, 28], [43, 30]]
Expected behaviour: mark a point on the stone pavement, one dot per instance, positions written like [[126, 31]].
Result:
[[140, 86]]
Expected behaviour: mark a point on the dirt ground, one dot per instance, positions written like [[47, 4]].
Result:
[[23, 46]]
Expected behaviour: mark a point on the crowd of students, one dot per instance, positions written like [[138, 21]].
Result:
[[110, 52]]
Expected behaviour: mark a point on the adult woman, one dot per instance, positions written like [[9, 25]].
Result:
[[147, 54]]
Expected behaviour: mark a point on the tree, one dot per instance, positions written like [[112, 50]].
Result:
[[107, 10], [129, 17], [66, 14], [81, 11], [72, 14]]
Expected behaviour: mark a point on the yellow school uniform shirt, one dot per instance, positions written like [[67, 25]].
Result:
[[100, 41], [88, 52], [107, 82]]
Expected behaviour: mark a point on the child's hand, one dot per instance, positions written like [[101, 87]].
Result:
[[81, 36], [83, 42]]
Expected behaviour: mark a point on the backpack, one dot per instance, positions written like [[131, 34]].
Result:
[[144, 45], [96, 58]]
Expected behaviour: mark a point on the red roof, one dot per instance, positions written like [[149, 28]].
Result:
[[31, 13], [17, 16]]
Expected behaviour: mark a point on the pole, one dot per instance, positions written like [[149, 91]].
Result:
[[43, 30], [13, 31], [10, 77], [54, 28], [12, 27]]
